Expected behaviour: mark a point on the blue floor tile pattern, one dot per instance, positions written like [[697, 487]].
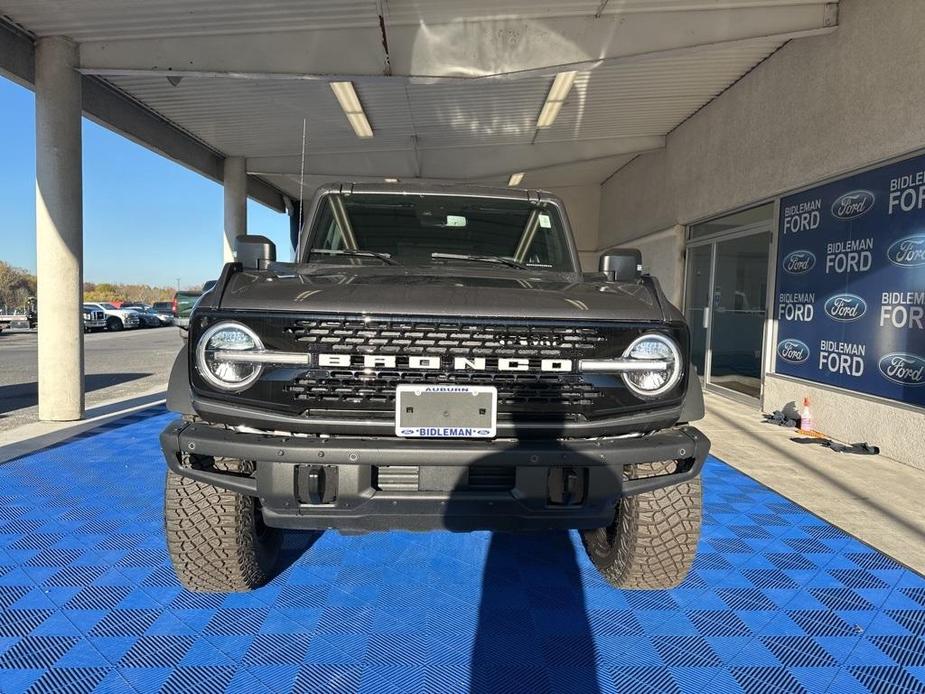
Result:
[[778, 601]]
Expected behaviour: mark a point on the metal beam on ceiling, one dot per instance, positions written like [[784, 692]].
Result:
[[477, 48], [447, 162]]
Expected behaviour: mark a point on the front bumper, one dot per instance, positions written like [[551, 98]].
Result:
[[317, 483]]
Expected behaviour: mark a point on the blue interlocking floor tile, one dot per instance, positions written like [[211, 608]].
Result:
[[778, 600]]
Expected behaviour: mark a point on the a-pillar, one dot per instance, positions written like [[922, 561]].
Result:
[[235, 180], [59, 229]]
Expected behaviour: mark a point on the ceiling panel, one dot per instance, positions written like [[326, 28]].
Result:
[[101, 20], [476, 113], [248, 84], [653, 94], [448, 128], [593, 171], [246, 117], [436, 11]]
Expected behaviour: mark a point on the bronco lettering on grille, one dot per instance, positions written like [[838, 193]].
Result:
[[383, 361]]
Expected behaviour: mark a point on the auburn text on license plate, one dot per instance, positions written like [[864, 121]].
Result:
[[446, 411]]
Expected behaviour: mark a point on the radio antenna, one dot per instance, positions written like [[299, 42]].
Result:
[[302, 181]]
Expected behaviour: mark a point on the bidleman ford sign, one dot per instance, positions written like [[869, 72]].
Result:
[[850, 300]]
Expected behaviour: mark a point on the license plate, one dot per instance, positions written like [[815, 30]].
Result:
[[446, 411]]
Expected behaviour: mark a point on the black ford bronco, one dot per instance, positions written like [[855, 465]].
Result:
[[433, 358]]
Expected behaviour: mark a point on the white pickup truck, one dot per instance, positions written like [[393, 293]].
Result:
[[116, 318]]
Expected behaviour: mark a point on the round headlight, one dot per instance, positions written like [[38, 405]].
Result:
[[212, 351], [649, 383]]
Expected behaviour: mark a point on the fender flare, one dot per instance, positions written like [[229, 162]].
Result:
[[179, 397], [692, 406]]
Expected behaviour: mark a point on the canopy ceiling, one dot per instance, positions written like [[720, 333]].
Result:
[[451, 88]]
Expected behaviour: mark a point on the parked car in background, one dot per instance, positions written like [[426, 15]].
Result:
[[148, 320], [117, 318], [94, 318], [149, 317], [165, 308], [184, 302], [156, 320]]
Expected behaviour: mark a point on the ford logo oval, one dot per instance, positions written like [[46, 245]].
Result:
[[908, 252], [903, 368], [794, 351], [845, 307], [798, 262], [853, 204]]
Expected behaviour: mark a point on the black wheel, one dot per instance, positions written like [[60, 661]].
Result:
[[653, 539], [217, 539], [113, 323]]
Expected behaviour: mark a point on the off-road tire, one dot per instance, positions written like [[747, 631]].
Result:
[[653, 539], [114, 324], [216, 539]]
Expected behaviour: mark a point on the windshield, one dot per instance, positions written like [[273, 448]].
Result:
[[108, 306], [410, 229]]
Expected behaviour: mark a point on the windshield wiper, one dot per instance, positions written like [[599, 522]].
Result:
[[355, 253], [500, 260]]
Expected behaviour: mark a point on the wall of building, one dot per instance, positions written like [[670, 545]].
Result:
[[663, 257], [818, 108], [583, 204]]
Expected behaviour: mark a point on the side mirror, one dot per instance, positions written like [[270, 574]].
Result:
[[621, 264], [254, 252]]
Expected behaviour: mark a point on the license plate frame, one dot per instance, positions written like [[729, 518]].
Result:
[[446, 411]]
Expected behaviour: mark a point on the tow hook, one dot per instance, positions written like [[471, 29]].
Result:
[[317, 484], [566, 486]]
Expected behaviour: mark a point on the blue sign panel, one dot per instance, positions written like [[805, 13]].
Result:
[[851, 283]]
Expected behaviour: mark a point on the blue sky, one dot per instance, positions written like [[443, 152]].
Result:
[[147, 219]]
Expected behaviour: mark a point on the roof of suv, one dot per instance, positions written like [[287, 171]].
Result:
[[419, 188]]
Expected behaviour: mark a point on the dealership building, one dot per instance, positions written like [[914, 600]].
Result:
[[787, 217], [764, 155]]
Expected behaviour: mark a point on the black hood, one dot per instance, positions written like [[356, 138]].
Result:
[[441, 291]]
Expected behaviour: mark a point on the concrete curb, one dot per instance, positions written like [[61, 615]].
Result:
[[34, 436]]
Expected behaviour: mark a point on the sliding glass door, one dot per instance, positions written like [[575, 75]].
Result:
[[726, 300]]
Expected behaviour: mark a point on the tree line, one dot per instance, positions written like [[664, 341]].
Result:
[[18, 285]]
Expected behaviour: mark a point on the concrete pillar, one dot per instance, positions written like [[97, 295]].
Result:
[[235, 203], [59, 229]]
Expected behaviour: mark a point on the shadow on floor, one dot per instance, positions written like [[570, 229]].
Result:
[[19, 395], [294, 544], [532, 614]]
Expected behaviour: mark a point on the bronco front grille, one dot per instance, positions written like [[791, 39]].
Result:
[[357, 362], [516, 391], [538, 394], [447, 338]]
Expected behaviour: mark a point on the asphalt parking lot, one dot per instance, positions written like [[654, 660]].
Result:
[[118, 365]]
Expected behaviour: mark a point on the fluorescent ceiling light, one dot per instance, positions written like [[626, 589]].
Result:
[[515, 179], [561, 86], [558, 92], [352, 108], [391, 180]]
